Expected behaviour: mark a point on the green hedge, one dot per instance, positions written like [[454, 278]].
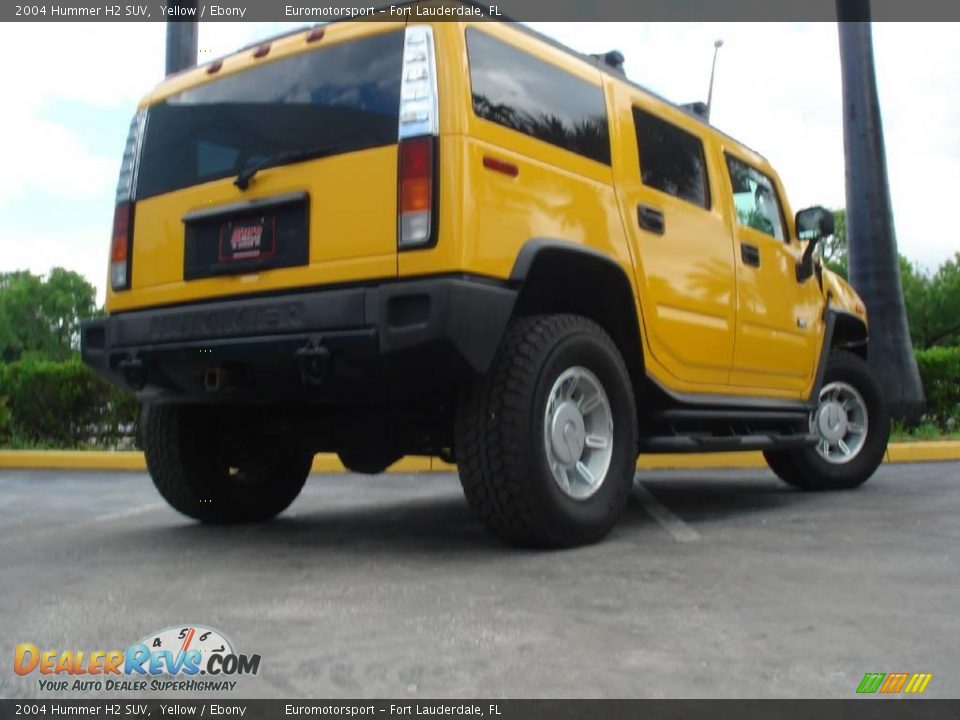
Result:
[[940, 372], [63, 405]]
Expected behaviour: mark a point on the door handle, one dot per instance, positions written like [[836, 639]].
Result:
[[651, 218], [750, 254]]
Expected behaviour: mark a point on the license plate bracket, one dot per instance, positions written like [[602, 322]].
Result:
[[247, 237]]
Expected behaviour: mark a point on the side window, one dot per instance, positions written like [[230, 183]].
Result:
[[523, 93], [755, 199], [671, 159]]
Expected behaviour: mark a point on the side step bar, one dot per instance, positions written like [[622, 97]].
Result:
[[714, 443], [709, 415]]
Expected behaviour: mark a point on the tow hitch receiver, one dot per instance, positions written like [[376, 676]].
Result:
[[314, 360], [134, 372]]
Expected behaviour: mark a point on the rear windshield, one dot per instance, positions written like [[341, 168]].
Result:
[[342, 98]]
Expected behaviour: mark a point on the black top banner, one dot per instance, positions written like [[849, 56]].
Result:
[[520, 10]]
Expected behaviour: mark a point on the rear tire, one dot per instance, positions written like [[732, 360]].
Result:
[[853, 426], [201, 478], [558, 396]]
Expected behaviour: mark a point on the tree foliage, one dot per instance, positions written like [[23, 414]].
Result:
[[833, 250], [40, 317], [932, 299], [63, 404], [939, 369]]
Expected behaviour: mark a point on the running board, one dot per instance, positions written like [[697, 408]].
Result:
[[711, 415], [713, 443]]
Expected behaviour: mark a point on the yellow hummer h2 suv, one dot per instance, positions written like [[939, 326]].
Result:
[[465, 240]]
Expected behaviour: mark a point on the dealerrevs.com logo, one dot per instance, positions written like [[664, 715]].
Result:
[[186, 658]]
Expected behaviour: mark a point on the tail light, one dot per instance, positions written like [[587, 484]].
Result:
[[120, 245], [416, 191], [419, 125]]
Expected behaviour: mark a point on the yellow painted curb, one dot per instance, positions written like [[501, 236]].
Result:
[[72, 459], [329, 463], [923, 451]]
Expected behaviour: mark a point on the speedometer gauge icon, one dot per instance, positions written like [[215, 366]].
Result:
[[179, 639]]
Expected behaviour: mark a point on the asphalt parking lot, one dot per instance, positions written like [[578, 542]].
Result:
[[716, 584]]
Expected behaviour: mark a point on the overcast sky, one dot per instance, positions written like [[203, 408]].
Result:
[[70, 90]]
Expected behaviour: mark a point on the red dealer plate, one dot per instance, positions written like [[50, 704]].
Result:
[[248, 239]]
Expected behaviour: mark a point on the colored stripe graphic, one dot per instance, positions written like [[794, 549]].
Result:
[[871, 682], [918, 682], [893, 683]]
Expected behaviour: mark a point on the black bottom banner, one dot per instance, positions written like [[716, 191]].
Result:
[[874, 709]]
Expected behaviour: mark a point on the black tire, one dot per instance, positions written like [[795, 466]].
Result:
[[500, 449], [183, 448], [805, 468]]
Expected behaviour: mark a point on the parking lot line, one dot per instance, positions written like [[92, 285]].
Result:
[[120, 514], [680, 531]]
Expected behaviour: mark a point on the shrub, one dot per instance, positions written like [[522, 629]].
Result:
[[65, 404], [6, 420], [940, 372]]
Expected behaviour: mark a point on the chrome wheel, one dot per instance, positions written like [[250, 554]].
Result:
[[578, 433], [840, 421]]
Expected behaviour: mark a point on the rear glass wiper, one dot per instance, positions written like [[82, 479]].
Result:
[[282, 158]]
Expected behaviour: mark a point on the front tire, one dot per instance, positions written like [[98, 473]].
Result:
[[852, 424], [204, 474], [546, 441]]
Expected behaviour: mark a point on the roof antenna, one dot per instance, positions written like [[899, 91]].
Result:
[[717, 44]]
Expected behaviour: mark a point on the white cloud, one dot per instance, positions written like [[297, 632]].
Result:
[[103, 64], [99, 65], [82, 249], [40, 156]]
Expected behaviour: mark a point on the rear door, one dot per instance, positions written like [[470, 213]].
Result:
[[318, 120], [681, 244]]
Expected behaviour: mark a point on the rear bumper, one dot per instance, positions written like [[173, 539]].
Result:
[[377, 341]]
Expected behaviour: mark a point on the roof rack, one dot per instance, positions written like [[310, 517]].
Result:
[[697, 109], [274, 38], [613, 60]]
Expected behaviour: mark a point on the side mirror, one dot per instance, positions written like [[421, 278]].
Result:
[[813, 225]]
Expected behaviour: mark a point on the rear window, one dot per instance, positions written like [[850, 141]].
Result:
[[671, 159], [517, 90], [341, 98]]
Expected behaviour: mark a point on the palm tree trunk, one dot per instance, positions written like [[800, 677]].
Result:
[[181, 37], [874, 264]]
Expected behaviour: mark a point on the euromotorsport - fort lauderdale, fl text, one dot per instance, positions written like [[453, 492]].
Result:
[[411, 709], [391, 11]]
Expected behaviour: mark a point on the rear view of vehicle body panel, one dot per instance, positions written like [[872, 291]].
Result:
[[317, 121]]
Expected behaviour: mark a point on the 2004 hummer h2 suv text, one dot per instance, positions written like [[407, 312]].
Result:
[[464, 240]]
